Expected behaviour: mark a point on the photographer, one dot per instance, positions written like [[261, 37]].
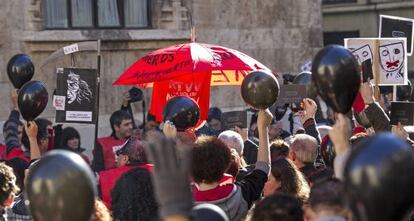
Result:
[[135, 95]]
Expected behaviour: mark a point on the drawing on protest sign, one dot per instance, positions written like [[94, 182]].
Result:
[[397, 27], [75, 98], [388, 56]]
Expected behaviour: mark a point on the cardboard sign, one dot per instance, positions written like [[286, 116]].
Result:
[[402, 112], [388, 56], [291, 93], [231, 119], [397, 27], [75, 98], [70, 49]]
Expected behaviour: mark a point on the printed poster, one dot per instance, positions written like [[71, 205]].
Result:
[[75, 97]]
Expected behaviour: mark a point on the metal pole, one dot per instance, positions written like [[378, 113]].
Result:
[[98, 79], [394, 93], [376, 71], [143, 114]]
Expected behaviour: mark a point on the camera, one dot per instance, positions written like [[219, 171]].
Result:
[[135, 94]]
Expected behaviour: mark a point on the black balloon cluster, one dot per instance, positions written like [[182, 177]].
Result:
[[33, 96]]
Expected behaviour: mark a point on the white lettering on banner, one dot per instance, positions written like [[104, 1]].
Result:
[[189, 89], [70, 49], [84, 116], [191, 95], [116, 148]]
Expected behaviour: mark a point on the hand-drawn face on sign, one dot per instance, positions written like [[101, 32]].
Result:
[[78, 89], [392, 59], [362, 54]]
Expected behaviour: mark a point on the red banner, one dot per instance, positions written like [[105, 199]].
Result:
[[196, 86]]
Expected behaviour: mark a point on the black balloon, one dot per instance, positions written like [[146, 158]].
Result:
[[260, 89], [336, 76], [379, 178], [32, 99], [182, 111], [362, 119], [20, 70], [305, 78], [61, 187], [404, 92]]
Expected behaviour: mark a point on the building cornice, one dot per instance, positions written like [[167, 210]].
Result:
[[103, 34], [352, 8]]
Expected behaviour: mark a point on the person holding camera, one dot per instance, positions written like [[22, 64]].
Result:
[[135, 95]]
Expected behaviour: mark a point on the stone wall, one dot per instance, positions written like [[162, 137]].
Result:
[[280, 34]]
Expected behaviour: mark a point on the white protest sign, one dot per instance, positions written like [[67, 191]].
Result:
[[388, 56]]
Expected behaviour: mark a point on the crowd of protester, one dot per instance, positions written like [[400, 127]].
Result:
[[307, 164]]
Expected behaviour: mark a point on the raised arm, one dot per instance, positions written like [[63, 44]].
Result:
[[10, 127], [264, 119], [31, 130], [375, 114], [307, 117], [340, 134], [126, 106]]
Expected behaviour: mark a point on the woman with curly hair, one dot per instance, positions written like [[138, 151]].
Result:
[[286, 178], [101, 213], [133, 197], [8, 188]]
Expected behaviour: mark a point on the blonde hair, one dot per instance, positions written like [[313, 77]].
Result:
[[8, 185]]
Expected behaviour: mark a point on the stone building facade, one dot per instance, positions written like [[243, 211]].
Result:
[[280, 34]]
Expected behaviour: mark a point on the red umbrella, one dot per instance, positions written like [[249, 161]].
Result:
[[186, 70], [183, 59]]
